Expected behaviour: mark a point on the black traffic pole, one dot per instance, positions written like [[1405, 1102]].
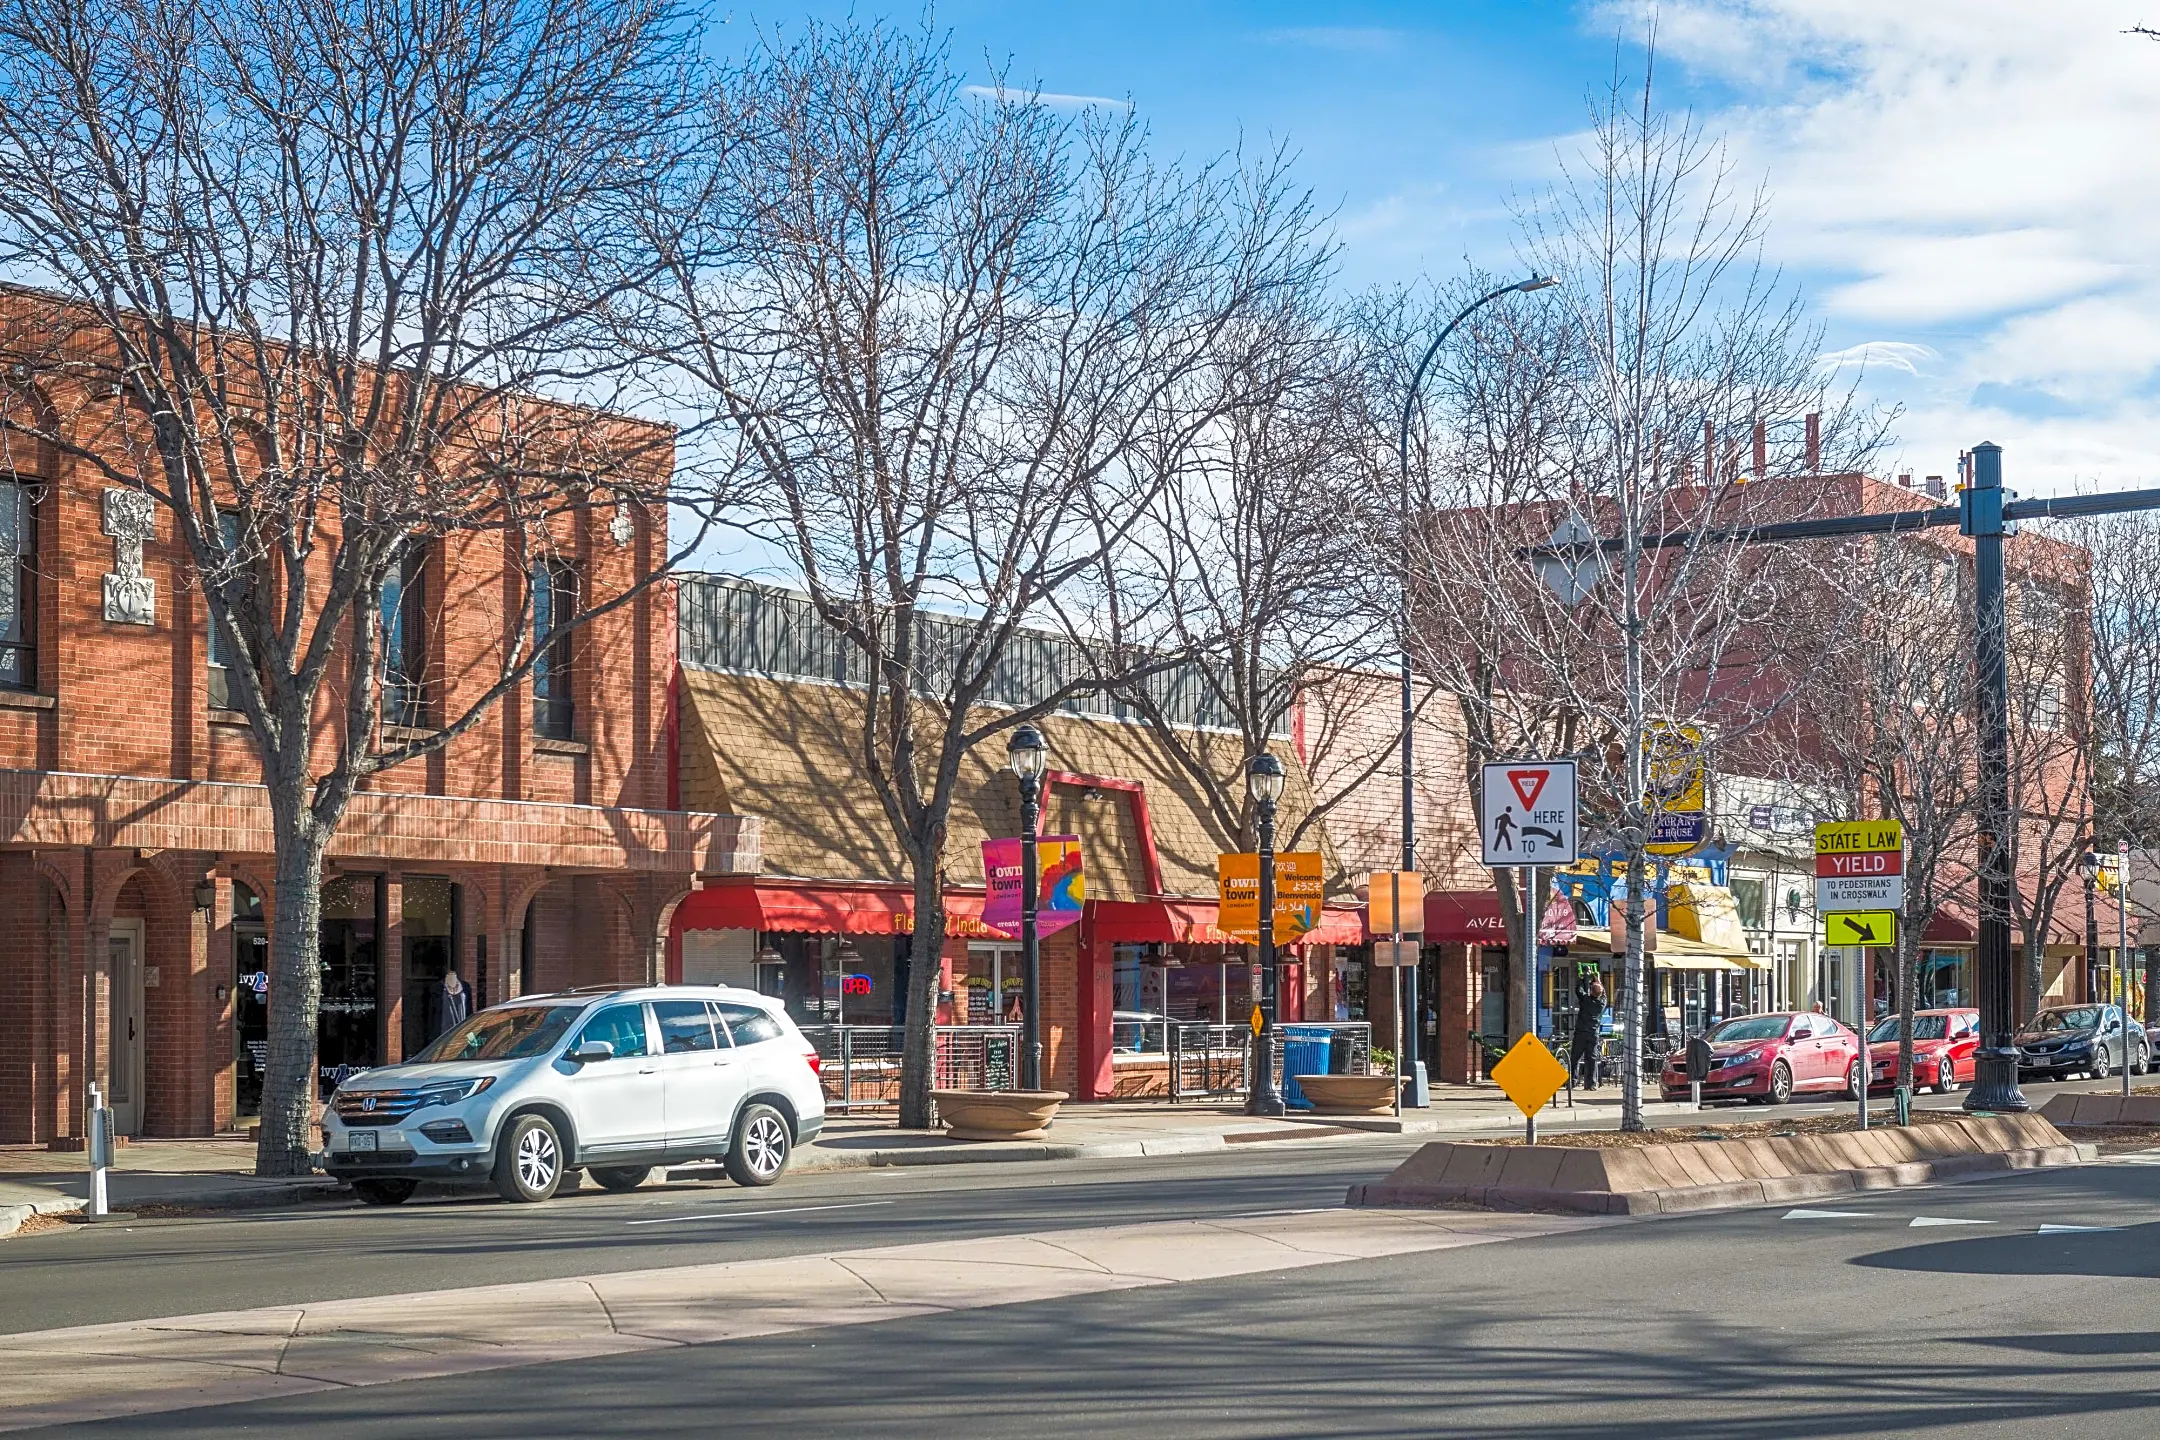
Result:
[[1264, 778], [1995, 1083]]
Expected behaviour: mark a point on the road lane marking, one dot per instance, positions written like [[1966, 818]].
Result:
[[1919, 1221], [756, 1214], [2076, 1229], [1828, 1215]]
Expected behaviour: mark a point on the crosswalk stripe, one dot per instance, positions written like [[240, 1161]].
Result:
[[1828, 1215], [2075, 1229], [1923, 1220]]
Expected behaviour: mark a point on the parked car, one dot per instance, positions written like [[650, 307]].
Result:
[[2073, 1039], [1944, 1050], [1771, 1057], [613, 1082]]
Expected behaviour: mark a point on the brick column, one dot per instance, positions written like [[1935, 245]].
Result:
[[1455, 1009], [1093, 1080], [390, 989]]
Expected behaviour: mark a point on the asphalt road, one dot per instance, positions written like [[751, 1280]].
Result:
[[1741, 1325], [88, 1275]]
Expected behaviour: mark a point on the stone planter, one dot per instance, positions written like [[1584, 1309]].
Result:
[[1350, 1094], [997, 1114]]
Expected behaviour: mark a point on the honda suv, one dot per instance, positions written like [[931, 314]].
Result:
[[613, 1082]]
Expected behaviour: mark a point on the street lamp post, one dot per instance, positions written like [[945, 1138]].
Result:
[[1264, 781], [1028, 757], [1409, 706]]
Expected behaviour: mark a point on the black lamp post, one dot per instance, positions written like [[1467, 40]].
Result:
[[1264, 781], [1028, 757]]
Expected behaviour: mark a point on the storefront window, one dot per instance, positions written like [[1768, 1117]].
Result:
[[1748, 899], [991, 986], [351, 978], [251, 1000], [1942, 980], [430, 945]]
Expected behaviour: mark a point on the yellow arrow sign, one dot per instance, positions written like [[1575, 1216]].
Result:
[[1860, 927], [1529, 1074]]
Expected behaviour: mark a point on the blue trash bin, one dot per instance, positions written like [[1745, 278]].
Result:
[[1305, 1052]]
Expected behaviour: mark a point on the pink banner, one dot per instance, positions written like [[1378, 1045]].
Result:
[[1059, 897]]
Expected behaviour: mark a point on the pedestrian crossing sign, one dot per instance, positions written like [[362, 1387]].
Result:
[[1860, 927]]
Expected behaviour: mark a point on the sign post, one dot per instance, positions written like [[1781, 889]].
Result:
[[1528, 818], [2122, 954], [1395, 902], [1530, 1075], [1859, 890]]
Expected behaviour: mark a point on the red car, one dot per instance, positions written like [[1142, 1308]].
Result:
[[1772, 1057], [1944, 1045]]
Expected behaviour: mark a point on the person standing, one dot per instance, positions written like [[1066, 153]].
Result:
[[453, 1003], [1589, 1029]]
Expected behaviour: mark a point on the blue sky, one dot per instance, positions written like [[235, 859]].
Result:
[[1965, 190]]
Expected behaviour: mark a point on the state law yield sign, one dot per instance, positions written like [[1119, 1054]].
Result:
[[1528, 817], [1859, 867]]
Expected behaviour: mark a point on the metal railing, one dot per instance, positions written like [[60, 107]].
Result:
[[860, 1064], [1204, 1059]]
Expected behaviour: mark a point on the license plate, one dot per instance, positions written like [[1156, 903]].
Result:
[[362, 1140]]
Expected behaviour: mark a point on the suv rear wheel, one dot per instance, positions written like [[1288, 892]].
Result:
[[620, 1177], [528, 1160], [762, 1146]]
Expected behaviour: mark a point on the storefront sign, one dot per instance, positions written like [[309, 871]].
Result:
[[1673, 754], [1060, 895], [1395, 902], [1299, 888]]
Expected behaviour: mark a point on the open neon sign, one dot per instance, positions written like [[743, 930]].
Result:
[[855, 984]]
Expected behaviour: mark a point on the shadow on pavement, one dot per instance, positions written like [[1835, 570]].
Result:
[[2130, 1253]]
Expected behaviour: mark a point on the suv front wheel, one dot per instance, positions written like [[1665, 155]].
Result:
[[762, 1146], [528, 1160]]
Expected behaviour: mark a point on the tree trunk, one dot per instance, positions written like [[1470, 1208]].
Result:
[[918, 1068], [283, 1144], [2035, 957]]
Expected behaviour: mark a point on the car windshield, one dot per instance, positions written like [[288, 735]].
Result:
[[1750, 1027], [2078, 1017], [1924, 1027], [518, 1032]]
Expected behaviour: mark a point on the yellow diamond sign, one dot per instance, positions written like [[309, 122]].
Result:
[[1529, 1074]]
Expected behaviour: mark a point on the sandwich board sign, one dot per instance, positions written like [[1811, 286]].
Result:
[[1528, 817]]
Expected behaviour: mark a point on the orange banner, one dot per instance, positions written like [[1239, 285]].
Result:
[[1299, 887]]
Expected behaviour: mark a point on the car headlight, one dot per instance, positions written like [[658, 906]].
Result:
[[450, 1092], [1744, 1056]]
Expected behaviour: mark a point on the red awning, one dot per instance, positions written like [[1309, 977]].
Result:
[[822, 910], [1463, 917]]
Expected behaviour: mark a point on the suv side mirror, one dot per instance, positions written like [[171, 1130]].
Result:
[[589, 1051]]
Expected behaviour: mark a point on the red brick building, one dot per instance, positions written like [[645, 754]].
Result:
[[538, 850]]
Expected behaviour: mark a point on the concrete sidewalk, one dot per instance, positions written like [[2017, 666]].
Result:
[[154, 1366]]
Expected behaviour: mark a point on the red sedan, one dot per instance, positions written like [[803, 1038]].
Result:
[[1772, 1057], [1944, 1044]]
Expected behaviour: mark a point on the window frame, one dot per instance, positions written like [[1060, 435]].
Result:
[[403, 653], [645, 1025], [21, 646], [554, 672], [713, 1030]]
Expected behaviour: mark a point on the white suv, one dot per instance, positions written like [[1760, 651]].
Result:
[[609, 1081]]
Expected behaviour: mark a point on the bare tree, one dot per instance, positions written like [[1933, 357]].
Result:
[[1686, 344], [2122, 553], [941, 326], [2050, 743], [311, 263], [1250, 561], [1885, 722]]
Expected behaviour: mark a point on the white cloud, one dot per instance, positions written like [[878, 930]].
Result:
[[1046, 98], [1972, 178], [1880, 355]]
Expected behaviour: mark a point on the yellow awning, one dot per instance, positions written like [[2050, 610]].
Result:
[[1677, 952]]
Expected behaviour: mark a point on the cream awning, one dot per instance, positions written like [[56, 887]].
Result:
[[1677, 952]]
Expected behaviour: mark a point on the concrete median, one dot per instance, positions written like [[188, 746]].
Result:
[[1684, 1176]]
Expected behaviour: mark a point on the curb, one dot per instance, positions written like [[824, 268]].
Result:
[[997, 1152], [1729, 1195], [12, 1217]]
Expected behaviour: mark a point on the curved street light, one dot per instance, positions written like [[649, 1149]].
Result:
[[1410, 403]]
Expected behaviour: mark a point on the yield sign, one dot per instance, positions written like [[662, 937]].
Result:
[[1527, 814]]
